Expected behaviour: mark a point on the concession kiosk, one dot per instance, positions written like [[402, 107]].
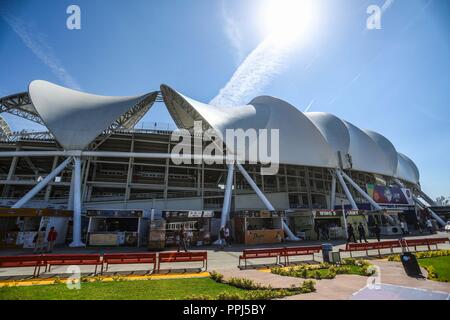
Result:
[[18, 227], [196, 223], [335, 222], [110, 227], [258, 226], [331, 220], [301, 222]]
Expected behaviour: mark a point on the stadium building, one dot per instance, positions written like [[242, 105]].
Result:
[[94, 157]]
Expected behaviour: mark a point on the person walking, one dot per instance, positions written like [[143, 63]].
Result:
[[350, 233], [51, 239], [362, 233], [430, 226], [418, 227], [39, 241], [403, 227], [377, 232], [317, 230], [182, 240]]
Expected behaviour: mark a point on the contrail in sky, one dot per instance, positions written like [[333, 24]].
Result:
[[265, 61], [309, 106], [38, 45]]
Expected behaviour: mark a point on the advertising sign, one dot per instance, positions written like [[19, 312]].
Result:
[[390, 195]]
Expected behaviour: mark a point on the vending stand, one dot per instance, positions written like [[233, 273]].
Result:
[[332, 220], [117, 227], [196, 223], [18, 227], [301, 222], [258, 227]]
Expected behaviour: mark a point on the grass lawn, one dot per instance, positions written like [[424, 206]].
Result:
[[122, 290], [441, 266]]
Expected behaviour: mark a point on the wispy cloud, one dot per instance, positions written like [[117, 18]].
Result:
[[37, 43], [255, 72], [417, 17], [232, 31], [387, 4]]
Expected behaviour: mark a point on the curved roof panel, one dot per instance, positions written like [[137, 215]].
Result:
[[77, 118], [388, 149], [366, 154], [301, 143], [333, 130], [406, 169]]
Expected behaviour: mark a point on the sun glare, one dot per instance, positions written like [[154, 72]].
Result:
[[289, 20]]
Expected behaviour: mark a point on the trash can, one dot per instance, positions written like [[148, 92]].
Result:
[[327, 249], [410, 264]]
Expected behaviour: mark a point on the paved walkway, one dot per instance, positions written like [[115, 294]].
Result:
[[225, 262]]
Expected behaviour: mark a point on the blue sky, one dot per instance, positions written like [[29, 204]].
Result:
[[395, 80]]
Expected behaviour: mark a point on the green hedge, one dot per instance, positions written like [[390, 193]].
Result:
[[423, 255], [326, 270], [254, 291]]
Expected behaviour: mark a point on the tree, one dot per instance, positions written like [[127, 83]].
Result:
[[443, 201]]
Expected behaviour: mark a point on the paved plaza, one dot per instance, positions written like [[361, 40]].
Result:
[[392, 283]]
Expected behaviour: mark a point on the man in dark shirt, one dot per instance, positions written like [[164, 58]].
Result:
[[350, 233], [182, 240], [377, 231], [362, 233]]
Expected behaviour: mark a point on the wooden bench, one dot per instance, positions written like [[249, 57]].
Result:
[[390, 244], [260, 254], [50, 260], [194, 256], [22, 261], [129, 258], [424, 242], [299, 251]]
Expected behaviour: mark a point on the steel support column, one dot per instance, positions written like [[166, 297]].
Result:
[[333, 192], [347, 192], [227, 197], [41, 184], [263, 198], [361, 191], [76, 240]]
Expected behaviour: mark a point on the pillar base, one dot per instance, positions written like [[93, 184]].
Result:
[[77, 244]]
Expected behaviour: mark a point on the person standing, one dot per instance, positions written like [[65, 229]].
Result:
[[377, 232], [350, 233], [362, 233], [222, 238], [227, 236], [182, 240], [402, 226], [51, 239], [39, 241]]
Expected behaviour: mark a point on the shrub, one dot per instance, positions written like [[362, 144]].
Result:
[[217, 277], [317, 275], [432, 275], [308, 286], [229, 296], [349, 261], [423, 255], [198, 297], [246, 284]]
